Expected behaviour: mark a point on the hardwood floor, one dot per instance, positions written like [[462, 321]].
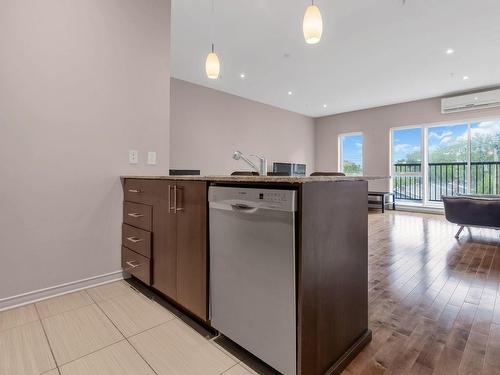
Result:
[[434, 308], [434, 301]]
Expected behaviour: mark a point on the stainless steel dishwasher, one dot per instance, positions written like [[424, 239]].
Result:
[[252, 271]]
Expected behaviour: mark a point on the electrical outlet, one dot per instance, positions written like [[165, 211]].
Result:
[[133, 156], [152, 157]]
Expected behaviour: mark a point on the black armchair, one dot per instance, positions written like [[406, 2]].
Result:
[[473, 211]]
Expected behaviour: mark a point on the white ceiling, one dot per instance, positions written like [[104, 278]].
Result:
[[373, 52]]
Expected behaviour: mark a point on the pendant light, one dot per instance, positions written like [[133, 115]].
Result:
[[212, 65], [313, 24]]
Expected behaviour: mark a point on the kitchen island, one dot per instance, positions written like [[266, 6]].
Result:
[[166, 245]]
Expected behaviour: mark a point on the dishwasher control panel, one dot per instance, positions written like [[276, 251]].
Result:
[[282, 200], [274, 196]]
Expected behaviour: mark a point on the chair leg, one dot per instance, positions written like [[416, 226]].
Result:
[[459, 231]]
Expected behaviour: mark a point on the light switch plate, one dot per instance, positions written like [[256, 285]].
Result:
[[133, 156], [152, 157]]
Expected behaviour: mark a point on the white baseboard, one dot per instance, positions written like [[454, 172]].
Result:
[[57, 290], [420, 209]]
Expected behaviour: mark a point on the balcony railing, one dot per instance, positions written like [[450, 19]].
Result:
[[447, 179]]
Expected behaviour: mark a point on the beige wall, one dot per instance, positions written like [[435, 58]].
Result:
[[375, 124], [208, 125], [81, 82]]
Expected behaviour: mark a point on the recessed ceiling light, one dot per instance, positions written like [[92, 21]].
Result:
[[450, 51], [242, 75], [476, 98], [290, 93], [324, 106], [465, 78]]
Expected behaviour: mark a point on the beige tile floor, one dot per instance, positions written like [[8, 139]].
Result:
[[112, 330]]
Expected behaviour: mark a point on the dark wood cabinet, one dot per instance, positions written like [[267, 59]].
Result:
[[170, 218], [164, 241], [192, 291], [176, 214]]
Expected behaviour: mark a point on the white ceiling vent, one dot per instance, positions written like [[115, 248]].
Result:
[[480, 100]]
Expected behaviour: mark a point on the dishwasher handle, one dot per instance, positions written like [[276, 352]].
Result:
[[243, 208], [235, 207], [240, 206]]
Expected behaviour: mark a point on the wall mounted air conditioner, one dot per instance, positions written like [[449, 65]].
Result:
[[479, 100]]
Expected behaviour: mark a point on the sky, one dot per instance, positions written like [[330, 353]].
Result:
[[445, 135], [352, 148], [405, 141], [408, 140]]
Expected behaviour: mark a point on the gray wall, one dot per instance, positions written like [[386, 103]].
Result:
[[81, 82], [375, 124], [208, 125]]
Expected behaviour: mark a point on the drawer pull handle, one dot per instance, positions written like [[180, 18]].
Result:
[[135, 191], [135, 215], [132, 265], [134, 239]]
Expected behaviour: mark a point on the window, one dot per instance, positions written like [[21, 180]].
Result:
[[435, 160], [448, 150], [485, 157], [407, 164], [351, 154]]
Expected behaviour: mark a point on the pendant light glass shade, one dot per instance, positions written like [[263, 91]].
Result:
[[212, 65], [312, 25]]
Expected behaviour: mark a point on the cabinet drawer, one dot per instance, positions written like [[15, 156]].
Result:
[[137, 215], [139, 191], [136, 265], [137, 239]]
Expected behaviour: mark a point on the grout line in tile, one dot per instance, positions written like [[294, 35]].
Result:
[[226, 370], [150, 328], [46, 338], [116, 342], [65, 311], [126, 339], [92, 352], [111, 298], [140, 355], [232, 356], [21, 325]]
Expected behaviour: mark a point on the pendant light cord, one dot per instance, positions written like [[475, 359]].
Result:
[[213, 23]]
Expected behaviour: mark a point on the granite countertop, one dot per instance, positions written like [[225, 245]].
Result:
[[275, 179]]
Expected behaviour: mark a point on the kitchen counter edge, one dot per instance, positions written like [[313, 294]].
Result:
[[275, 179]]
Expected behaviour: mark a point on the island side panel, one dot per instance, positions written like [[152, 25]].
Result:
[[333, 274]]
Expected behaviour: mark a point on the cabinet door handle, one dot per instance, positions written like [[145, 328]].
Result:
[[132, 265], [181, 196], [134, 239], [135, 215], [135, 191], [170, 206]]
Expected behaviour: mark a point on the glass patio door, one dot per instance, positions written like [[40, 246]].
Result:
[[447, 161], [406, 163], [485, 158]]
